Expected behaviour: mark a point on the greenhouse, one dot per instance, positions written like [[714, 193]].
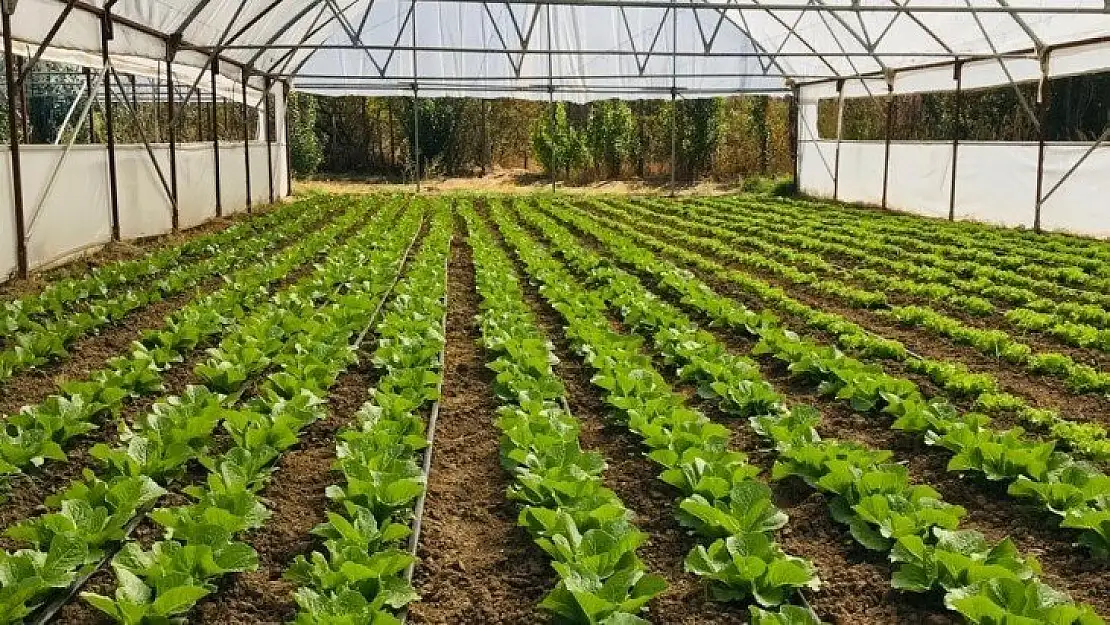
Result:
[[597, 312]]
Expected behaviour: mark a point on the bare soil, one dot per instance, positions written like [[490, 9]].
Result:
[[295, 497], [634, 478]]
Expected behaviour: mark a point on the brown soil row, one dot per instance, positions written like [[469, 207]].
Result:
[[1039, 391], [89, 353], [296, 499], [634, 478], [295, 496], [476, 565]]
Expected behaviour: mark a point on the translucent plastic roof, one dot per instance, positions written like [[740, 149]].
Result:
[[580, 49]]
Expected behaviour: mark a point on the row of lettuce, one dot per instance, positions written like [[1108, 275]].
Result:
[[981, 388], [582, 526], [723, 503], [235, 431], [985, 582], [59, 298], [1078, 377], [363, 574], [41, 433], [33, 340]]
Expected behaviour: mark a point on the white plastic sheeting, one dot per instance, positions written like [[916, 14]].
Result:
[[150, 209], [76, 213], [995, 182]]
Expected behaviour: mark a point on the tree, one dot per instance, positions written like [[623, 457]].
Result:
[[304, 144], [609, 134], [561, 147], [698, 132], [437, 117]]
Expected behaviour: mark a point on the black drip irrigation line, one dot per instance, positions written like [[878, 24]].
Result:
[[50, 610], [433, 418]]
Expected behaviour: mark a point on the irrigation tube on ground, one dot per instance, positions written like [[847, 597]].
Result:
[[433, 418]]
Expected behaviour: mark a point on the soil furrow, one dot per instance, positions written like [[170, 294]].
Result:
[[476, 565], [634, 478]]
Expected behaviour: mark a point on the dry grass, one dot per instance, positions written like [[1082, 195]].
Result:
[[515, 181]]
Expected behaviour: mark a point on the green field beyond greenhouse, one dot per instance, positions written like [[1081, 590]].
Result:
[[586, 409]]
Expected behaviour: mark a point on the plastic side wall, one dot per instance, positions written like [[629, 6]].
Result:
[[74, 214], [995, 182]]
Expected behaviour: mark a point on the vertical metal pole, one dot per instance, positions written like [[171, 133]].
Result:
[[957, 132], [13, 132], [1042, 136], [134, 94], [89, 90], [416, 133], [247, 143], [109, 122], [171, 126], [24, 105], [216, 142], [795, 135], [551, 111], [839, 133], [889, 124], [415, 100], [674, 98], [288, 145], [267, 86]]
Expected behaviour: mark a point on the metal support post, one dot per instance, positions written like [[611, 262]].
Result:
[[1043, 95], [106, 35], [839, 133], [416, 133], [674, 98], [267, 86], [216, 142], [288, 145], [13, 132], [551, 124], [416, 100], [247, 143], [171, 126], [957, 133], [887, 137], [24, 105], [89, 90], [552, 112], [794, 134]]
